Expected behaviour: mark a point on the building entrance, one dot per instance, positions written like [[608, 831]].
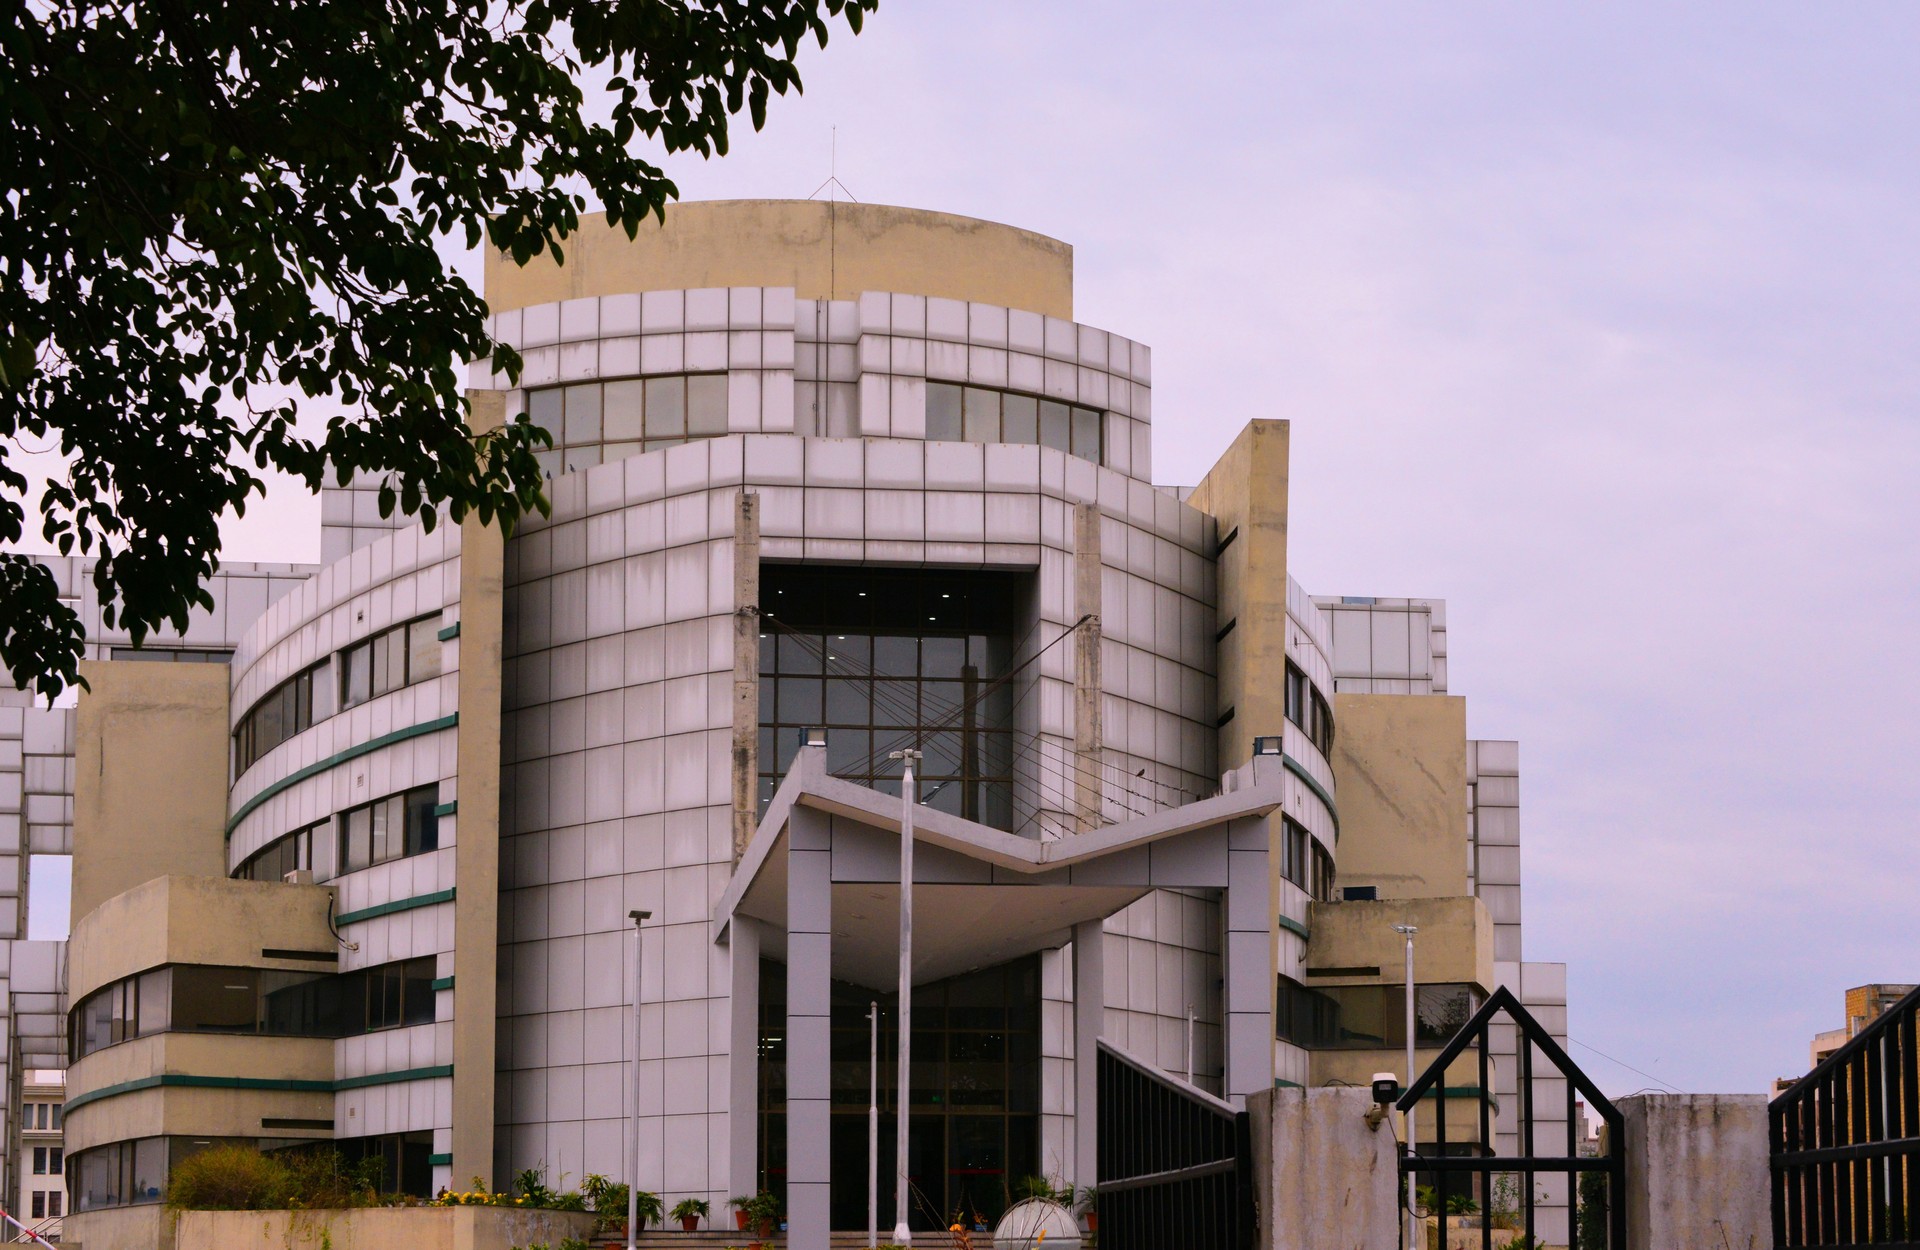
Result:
[[974, 1127]]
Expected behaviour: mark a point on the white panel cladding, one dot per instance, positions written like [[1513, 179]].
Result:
[[406, 575], [618, 730], [825, 368], [1387, 646]]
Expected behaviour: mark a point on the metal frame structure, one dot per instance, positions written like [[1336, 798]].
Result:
[[1175, 1163], [1846, 1142], [1477, 1033]]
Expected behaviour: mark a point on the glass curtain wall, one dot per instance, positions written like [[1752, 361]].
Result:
[[974, 1130], [887, 659]]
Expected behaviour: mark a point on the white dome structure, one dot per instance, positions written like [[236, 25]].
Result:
[[1037, 1222]]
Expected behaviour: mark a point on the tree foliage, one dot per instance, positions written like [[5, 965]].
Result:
[[209, 204]]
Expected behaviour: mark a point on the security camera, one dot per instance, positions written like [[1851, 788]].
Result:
[[1386, 1092]]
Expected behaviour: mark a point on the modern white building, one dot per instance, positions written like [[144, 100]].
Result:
[[831, 474]]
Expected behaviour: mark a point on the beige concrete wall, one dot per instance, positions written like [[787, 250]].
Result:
[[150, 776], [1698, 1171], [476, 865], [818, 248], [1247, 491], [174, 1109], [1323, 1180], [416, 1228], [1400, 762], [1455, 941], [196, 920], [149, 1227]]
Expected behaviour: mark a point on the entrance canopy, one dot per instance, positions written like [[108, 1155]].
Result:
[[982, 896]]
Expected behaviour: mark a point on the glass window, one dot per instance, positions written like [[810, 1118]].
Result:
[[39, 1202], [666, 407], [1020, 419], [910, 660], [390, 828], [39, 1160], [707, 404], [286, 710], [1056, 429], [53, 1203], [389, 660], [1371, 1017], [1086, 434], [58, 1111], [982, 415], [215, 1000], [582, 413], [545, 409], [622, 406], [944, 422], [40, 1111], [55, 1160]]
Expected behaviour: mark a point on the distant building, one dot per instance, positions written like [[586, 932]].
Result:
[[42, 1194], [1865, 1004]]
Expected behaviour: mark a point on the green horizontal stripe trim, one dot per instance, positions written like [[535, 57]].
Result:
[[398, 904], [443, 983], [440, 1161], [338, 758], [450, 632], [1278, 1083], [393, 1078], [199, 1082], [446, 809], [1293, 926], [183, 1081], [1299, 770]]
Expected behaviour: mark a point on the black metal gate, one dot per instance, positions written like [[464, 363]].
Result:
[[1174, 1163], [1846, 1142], [1596, 1213]]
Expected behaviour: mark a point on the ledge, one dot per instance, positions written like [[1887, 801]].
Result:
[[397, 905], [182, 1080], [337, 758]]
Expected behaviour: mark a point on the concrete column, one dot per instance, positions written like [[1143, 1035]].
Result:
[[743, 1089], [1249, 962], [746, 670], [1322, 1179], [1698, 1171], [809, 1004], [1089, 1013], [1086, 667], [476, 856]]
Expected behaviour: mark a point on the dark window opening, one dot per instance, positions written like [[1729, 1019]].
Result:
[[407, 1160], [887, 659], [391, 828], [1304, 862], [288, 853], [391, 659], [977, 414], [1307, 708], [288, 709], [975, 1090], [1371, 1017]]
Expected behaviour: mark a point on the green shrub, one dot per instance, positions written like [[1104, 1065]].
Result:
[[228, 1178]]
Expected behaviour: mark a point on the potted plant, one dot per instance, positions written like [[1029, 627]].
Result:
[[1090, 1207], [690, 1211], [763, 1212], [740, 1203]]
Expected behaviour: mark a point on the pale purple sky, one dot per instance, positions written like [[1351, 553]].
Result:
[[1597, 322]]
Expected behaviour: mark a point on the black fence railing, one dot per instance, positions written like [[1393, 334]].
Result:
[[1846, 1142], [1462, 1170], [1173, 1166]]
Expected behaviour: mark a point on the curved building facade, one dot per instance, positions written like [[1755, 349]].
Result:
[[829, 483]]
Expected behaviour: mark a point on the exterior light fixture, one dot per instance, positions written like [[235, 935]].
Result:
[[815, 736], [1266, 746]]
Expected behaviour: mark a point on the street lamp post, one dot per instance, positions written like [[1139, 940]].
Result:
[[873, 1125], [633, 1186], [1407, 931], [903, 1236]]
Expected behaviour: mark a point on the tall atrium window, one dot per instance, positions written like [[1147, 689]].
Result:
[[599, 422], [976, 414], [392, 658], [293, 705], [887, 659]]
